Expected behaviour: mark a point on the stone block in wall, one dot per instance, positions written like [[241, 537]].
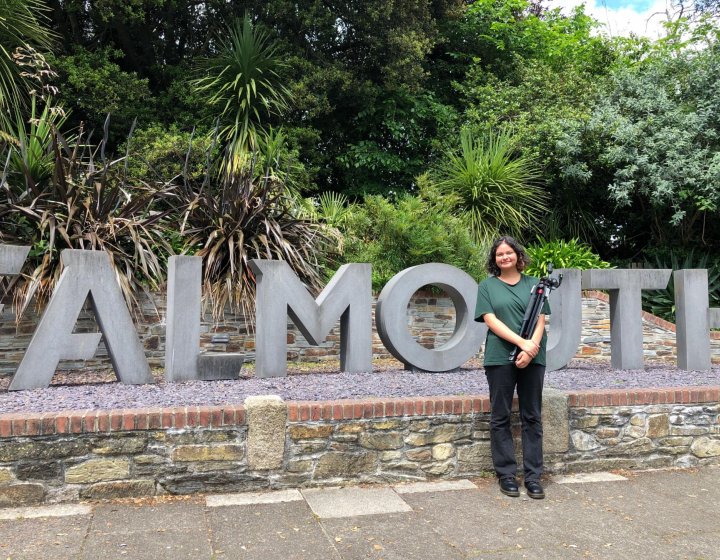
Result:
[[98, 470], [381, 441], [474, 457], [705, 447], [119, 489], [128, 445], [300, 432], [216, 452], [443, 433], [344, 465], [658, 426], [21, 495], [6, 475], [39, 470], [443, 451], [224, 481], [43, 450]]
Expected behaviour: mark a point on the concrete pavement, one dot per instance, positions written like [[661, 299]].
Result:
[[661, 514]]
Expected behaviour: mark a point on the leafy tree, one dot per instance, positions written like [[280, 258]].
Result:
[[652, 147], [94, 86]]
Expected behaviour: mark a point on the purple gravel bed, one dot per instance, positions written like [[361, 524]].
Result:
[[331, 386]]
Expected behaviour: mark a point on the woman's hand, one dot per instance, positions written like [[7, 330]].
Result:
[[530, 348], [523, 360]]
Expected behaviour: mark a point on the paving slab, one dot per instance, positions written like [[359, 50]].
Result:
[[250, 498], [328, 503], [54, 538], [481, 521], [388, 537], [282, 531], [147, 515], [442, 486], [171, 544], [583, 478], [59, 510]]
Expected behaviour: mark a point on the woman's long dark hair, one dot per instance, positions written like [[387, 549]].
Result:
[[522, 258]]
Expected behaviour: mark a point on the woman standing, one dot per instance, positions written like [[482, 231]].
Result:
[[501, 303]]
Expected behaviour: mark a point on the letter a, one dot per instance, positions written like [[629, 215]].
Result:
[[86, 273]]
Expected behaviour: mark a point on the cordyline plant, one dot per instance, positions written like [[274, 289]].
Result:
[[85, 202], [249, 213]]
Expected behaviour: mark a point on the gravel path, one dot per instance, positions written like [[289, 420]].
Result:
[[96, 390]]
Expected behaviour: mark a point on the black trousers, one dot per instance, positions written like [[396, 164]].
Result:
[[502, 381]]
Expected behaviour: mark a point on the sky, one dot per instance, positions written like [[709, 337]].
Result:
[[622, 17]]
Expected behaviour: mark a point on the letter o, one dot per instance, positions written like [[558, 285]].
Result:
[[391, 317]]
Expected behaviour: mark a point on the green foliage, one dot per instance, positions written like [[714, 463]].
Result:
[[396, 138], [242, 83], [95, 86], [23, 30], [85, 203], [159, 153], [31, 158], [242, 213], [493, 187], [496, 35], [411, 231], [662, 302], [330, 208], [651, 147], [561, 254]]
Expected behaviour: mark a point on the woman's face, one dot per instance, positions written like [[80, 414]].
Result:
[[505, 258]]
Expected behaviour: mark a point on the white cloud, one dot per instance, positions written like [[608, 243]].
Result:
[[622, 20]]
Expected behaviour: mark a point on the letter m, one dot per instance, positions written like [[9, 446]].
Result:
[[281, 293]]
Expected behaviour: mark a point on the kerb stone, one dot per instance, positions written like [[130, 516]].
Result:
[[266, 420]]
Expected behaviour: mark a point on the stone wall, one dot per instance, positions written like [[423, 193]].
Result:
[[431, 321], [57, 457]]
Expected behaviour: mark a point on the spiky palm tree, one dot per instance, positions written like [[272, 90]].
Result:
[[493, 188], [243, 83]]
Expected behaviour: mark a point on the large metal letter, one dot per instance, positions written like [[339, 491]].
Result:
[[626, 334], [280, 293], [86, 273], [183, 359], [693, 318], [391, 317], [565, 328], [12, 258]]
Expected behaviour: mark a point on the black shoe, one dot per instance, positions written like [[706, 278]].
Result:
[[509, 487], [534, 490]]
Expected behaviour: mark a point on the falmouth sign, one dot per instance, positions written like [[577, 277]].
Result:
[[88, 275]]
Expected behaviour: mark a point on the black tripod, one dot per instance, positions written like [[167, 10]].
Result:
[[538, 296]]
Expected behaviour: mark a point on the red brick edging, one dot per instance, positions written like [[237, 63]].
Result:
[[103, 421]]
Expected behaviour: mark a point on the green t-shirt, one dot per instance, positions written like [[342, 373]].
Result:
[[507, 303]]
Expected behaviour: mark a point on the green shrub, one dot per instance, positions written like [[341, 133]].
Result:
[[163, 153], [413, 230], [562, 254], [662, 302]]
